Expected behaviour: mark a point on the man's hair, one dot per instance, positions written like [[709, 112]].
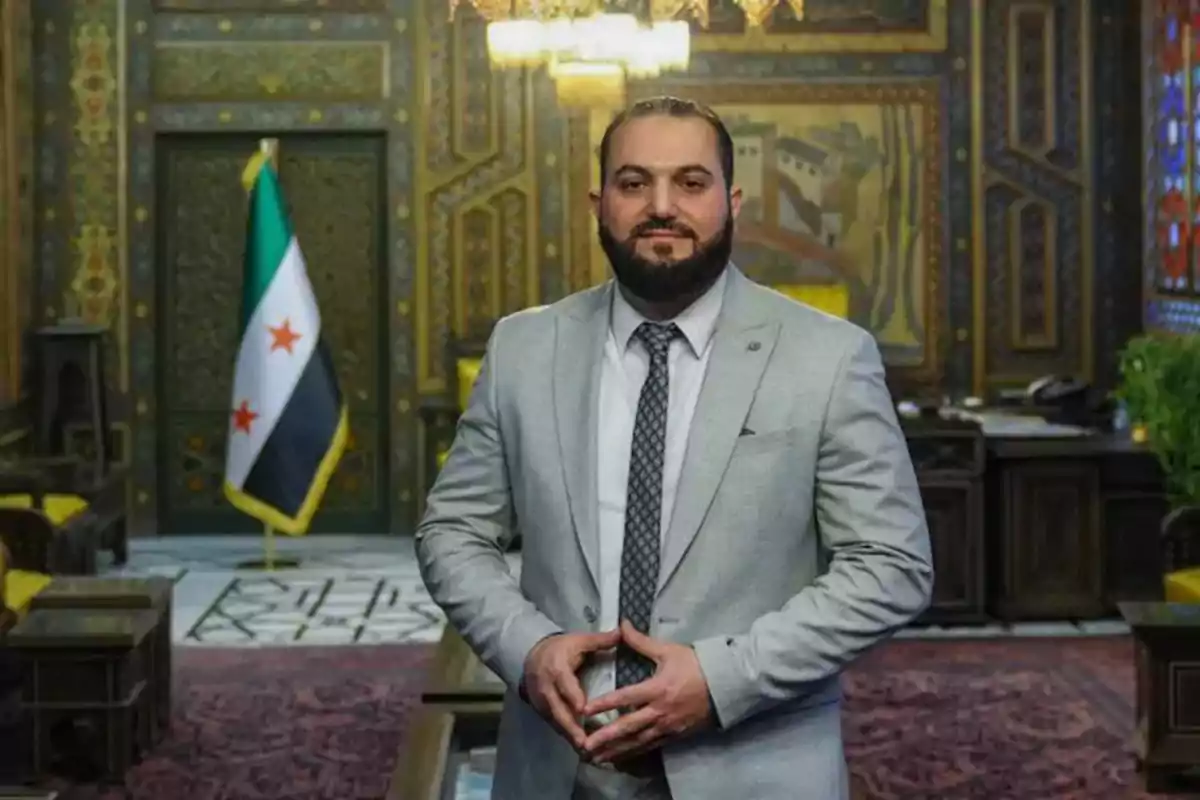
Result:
[[667, 106]]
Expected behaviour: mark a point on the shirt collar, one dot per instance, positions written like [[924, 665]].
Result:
[[697, 322]]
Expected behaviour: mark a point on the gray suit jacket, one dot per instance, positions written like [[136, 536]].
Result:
[[797, 542]]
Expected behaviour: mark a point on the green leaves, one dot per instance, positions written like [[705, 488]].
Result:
[[1160, 385]]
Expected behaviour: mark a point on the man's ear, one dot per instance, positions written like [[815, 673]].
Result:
[[735, 201], [594, 196]]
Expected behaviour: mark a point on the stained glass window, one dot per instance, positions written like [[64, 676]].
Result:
[[1172, 96], [1178, 209]]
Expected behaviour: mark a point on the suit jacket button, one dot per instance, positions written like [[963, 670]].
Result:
[[589, 614]]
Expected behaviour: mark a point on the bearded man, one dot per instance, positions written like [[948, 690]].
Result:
[[717, 508]]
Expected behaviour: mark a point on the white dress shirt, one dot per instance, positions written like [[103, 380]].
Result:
[[626, 365]]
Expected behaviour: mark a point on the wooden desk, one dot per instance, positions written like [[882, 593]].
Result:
[[459, 713], [1072, 527]]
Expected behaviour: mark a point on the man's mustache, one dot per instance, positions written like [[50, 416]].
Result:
[[650, 226]]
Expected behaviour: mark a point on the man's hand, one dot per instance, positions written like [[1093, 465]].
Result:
[[672, 703], [551, 678]]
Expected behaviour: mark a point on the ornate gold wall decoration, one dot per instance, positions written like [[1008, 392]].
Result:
[[865, 27], [1034, 171], [96, 171], [477, 203], [16, 165], [271, 6], [310, 72]]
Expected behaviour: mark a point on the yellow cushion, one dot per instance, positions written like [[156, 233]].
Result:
[[58, 507], [20, 587], [832, 298], [468, 371], [1182, 586]]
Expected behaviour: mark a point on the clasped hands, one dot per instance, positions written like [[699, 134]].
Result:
[[671, 703]]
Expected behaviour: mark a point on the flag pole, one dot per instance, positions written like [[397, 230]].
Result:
[[270, 149]]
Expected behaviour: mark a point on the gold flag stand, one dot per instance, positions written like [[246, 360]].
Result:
[[270, 561], [269, 148]]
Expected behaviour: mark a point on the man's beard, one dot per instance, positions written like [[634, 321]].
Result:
[[664, 281]]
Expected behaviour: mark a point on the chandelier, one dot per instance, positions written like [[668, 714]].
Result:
[[590, 47]]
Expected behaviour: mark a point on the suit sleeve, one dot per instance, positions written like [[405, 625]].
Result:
[[468, 524], [870, 519]]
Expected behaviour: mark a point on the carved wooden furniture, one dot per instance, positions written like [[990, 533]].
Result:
[[87, 699], [1167, 657], [27, 540], [832, 298], [459, 714], [1181, 555], [439, 414], [1072, 527], [949, 458], [129, 594], [71, 390]]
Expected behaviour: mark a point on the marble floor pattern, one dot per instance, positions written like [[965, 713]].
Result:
[[355, 590]]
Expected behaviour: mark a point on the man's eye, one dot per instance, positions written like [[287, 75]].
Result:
[[632, 186], [693, 186]]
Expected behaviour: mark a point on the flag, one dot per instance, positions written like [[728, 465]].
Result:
[[288, 425]]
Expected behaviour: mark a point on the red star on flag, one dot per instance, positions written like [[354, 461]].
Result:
[[243, 416], [283, 337]]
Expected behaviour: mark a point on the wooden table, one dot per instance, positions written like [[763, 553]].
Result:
[[1167, 647], [130, 594], [460, 712]]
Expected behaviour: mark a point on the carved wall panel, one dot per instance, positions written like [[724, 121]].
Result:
[[324, 72], [16, 192], [271, 6], [491, 159], [1044, 197]]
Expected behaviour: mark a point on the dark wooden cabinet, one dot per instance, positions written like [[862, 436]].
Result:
[[1048, 541], [1072, 527], [954, 511], [1131, 514], [950, 460]]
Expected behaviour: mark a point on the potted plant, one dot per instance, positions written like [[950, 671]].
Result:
[[1160, 386]]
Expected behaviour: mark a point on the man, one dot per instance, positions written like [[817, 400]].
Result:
[[716, 506]]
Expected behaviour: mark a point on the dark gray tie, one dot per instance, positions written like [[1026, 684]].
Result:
[[643, 499]]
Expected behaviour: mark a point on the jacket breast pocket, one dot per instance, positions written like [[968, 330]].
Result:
[[766, 444]]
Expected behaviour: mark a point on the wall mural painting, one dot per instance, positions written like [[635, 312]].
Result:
[[840, 192], [834, 195]]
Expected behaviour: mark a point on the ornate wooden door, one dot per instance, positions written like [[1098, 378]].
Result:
[[335, 187]]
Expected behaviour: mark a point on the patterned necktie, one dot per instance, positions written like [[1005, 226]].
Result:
[[643, 500]]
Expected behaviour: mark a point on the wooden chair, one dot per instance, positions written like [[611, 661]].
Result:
[[82, 495], [26, 541], [832, 298], [1181, 556], [440, 414]]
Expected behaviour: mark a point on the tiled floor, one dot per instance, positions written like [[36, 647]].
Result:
[[354, 589]]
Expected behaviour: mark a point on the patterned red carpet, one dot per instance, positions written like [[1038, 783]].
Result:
[[294, 723], [1002, 720]]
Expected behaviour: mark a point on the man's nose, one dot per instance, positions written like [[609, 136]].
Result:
[[662, 202]]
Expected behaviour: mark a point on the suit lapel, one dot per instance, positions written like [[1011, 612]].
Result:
[[578, 354], [742, 345]]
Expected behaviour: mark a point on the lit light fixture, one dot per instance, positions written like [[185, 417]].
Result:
[[588, 53]]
